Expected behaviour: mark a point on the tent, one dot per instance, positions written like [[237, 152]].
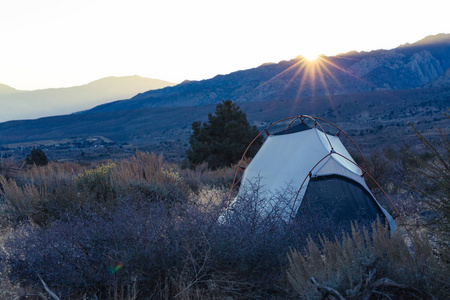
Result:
[[319, 173]]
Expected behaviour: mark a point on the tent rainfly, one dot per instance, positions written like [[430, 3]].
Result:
[[318, 169]]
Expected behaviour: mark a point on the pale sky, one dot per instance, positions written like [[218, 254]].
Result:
[[61, 43]]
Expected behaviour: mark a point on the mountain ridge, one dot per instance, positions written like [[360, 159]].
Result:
[[6, 89], [375, 95], [373, 119], [404, 67], [17, 104]]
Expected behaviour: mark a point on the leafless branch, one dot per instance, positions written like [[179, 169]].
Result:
[[53, 295], [328, 290]]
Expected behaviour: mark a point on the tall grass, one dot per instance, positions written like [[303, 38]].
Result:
[[141, 228], [369, 265], [42, 194]]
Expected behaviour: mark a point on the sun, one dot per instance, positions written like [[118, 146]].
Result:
[[311, 56]]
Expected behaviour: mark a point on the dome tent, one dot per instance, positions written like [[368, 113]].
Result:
[[322, 177]]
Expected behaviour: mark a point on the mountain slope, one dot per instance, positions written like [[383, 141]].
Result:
[[405, 67], [47, 102], [5, 89], [407, 84], [146, 126]]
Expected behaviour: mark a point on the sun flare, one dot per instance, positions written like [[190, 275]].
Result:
[[311, 56]]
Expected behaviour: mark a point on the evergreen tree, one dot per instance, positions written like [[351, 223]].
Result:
[[223, 139], [37, 157]]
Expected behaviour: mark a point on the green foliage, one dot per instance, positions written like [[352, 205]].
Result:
[[97, 182], [223, 139], [37, 157]]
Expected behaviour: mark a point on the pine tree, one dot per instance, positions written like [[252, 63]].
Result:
[[223, 139], [37, 157]]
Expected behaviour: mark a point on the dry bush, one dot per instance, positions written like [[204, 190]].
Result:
[[392, 169], [40, 193], [211, 198], [8, 290], [97, 184], [432, 182], [53, 169], [203, 176], [147, 176], [368, 265], [18, 204], [132, 245], [136, 248], [9, 167], [164, 251], [140, 167]]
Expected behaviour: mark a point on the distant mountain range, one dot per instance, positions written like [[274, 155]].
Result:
[[16, 104], [372, 95], [405, 67]]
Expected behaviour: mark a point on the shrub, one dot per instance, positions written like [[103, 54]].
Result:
[[432, 181], [156, 235], [203, 176], [41, 193], [17, 204], [97, 183], [369, 266], [83, 255], [146, 176], [8, 290], [161, 250], [8, 166]]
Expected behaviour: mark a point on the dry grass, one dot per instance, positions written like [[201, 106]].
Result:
[[201, 175], [369, 264], [140, 167], [210, 198], [40, 193], [19, 203], [161, 222]]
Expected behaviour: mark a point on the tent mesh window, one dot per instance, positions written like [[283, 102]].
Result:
[[334, 201]]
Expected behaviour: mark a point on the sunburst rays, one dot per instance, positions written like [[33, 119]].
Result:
[[312, 77]]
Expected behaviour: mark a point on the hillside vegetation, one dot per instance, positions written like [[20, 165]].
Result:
[[142, 228]]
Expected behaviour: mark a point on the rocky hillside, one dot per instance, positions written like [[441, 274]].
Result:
[[376, 119], [408, 66], [441, 81], [372, 96]]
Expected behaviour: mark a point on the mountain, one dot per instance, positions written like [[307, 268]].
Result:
[[441, 81], [405, 67], [429, 40], [4, 89], [374, 119], [16, 105], [370, 95]]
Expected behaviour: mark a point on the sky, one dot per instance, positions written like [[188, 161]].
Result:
[[62, 43]]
